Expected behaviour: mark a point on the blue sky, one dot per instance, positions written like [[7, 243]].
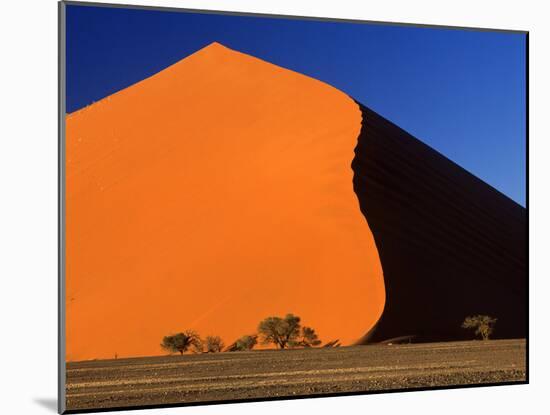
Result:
[[461, 92]]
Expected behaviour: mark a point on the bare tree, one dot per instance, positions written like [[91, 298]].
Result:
[[332, 343], [214, 344]]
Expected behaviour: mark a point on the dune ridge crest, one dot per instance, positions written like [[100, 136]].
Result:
[[208, 196]]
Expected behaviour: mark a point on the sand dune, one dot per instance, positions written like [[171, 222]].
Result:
[[450, 244], [209, 196]]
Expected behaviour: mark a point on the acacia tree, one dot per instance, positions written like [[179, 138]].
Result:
[[282, 332], [182, 342], [483, 325], [307, 338], [213, 344]]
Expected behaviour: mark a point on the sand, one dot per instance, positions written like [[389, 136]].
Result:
[[211, 195]]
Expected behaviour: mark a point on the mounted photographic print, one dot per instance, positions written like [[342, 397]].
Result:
[[258, 207]]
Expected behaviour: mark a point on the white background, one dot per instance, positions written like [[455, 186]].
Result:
[[28, 203]]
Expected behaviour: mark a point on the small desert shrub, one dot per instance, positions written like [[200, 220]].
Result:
[[244, 343], [213, 344], [483, 325]]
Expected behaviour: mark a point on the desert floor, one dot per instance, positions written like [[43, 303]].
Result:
[[290, 373]]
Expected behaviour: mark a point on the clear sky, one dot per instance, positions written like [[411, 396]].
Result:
[[461, 92]]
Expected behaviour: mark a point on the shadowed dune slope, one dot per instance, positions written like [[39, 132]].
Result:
[[450, 245], [209, 196]]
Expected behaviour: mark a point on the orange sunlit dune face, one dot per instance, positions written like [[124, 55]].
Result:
[[210, 196]]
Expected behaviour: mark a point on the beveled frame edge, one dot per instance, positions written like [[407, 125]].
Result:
[[61, 105], [285, 16]]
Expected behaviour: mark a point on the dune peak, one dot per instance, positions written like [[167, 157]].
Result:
[[213, 48], [223, 177], [216, 45]]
